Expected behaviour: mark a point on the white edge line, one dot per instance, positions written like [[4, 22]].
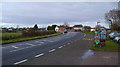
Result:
[[39, 55], [20, 62], [52, 50]]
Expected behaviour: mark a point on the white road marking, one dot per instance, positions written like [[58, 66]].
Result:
[[27, 47], [17, 50], [14, 47], [41, 42], [13, 50], [68, 43], [51, 41], [39, 55], [3, 47], [29, 44], [20, 62], [52, 50], [44, 40], [20, 44], [60, 47], [36, 41]]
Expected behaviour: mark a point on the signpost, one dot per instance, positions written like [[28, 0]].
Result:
[[100, 36]]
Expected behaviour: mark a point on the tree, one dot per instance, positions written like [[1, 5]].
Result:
[[78, 25], [51, 27], [113, 17], [35, 27]]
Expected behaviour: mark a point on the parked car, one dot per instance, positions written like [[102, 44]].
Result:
[[117, 39], [113, 35]]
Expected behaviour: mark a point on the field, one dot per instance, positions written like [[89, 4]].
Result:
[[17, 37], [11, 35]]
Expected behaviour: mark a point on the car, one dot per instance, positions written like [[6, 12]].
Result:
[[113, 35], [65, 31], [117, 39]]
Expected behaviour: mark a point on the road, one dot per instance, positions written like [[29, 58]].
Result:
[[17, 53]]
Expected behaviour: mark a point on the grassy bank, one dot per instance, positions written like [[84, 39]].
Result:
[[110, 46], [92, 33], [28, 38]]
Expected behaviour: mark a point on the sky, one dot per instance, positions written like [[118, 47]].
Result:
[[27, 14]]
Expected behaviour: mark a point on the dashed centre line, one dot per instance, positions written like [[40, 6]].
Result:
[[52, 50], [60, 47], [20, 62], [29, 44], [41, 42], [39, 55]]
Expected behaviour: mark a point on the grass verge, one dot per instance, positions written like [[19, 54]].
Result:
[[29, 38], [110, 46], [92, 33]]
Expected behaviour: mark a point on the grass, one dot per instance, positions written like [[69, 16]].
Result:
[[92, 33], [110, 46], [29, 38], [11, 35]]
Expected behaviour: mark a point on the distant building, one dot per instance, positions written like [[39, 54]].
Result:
[[78, 28], [56, 28], [92, 30]]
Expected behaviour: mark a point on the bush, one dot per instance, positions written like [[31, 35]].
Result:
[[33, 33]]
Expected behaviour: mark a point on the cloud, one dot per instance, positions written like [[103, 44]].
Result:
[[47, 13]]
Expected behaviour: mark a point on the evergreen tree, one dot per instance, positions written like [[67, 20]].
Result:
[[35, 27]]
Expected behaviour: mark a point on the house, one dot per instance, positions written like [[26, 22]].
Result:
[[60, 28], [87, 28], [78, 28], [56, 28]]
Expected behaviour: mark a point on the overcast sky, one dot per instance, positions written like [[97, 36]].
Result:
[[27, 14]]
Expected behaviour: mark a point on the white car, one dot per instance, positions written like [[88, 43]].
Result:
[[117, 39]]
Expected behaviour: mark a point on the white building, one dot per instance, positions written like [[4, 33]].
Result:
[[56, 29]]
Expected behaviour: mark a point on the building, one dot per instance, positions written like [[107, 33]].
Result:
[[78, 28]]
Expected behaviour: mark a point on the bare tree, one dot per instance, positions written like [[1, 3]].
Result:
[[113, 17]]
